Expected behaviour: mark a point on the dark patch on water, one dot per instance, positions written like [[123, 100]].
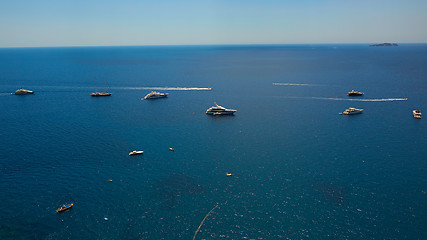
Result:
[[332, 192], [174, 186]]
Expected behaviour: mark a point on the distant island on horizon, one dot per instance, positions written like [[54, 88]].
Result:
[[384, 45]]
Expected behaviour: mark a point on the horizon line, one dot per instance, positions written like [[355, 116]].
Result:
[[208, 44]]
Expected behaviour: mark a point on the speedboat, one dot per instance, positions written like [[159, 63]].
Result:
[[355, 93], [64, 207], [100, 94], [219, 110], [155, 95], [417, 114], [135, 153], [351, 111], [23, 92]]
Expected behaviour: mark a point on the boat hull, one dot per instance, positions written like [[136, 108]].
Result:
[[352, 113], [155, 97], [100, 94], [219, 113], [23, 92]]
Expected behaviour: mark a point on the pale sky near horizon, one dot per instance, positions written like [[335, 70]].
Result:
[[28, 23]]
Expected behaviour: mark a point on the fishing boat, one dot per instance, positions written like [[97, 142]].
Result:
[[23, 92], [219, 110], [135, 153], [355, 93], [64, 207], [351, 111], [155, 95], [417, 114]]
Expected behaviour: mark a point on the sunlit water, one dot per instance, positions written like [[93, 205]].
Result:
[[300, 170]]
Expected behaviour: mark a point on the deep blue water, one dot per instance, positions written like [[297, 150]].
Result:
[[300, 170]]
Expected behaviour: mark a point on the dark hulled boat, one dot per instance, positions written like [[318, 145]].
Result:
[[64, 207], [355, 93]]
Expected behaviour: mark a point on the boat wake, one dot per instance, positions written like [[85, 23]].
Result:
[[292, 84], [363, 100], [5, 94], [166, 88]]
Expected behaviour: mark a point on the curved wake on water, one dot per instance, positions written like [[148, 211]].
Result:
[[362, 100], [293, 84]]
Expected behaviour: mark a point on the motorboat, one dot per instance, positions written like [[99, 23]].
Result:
[[351, 111], [100, 94], [355, 93], [229, 174], [23, 92], [64, 207], [155, 95], [135, 153], [219, 110], [171, 149], [417, 114]]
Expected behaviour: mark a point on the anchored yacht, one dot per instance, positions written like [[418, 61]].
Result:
[[155, 95], [351, 111], [219, 110]]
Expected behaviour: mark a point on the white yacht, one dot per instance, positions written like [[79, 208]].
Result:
[[351, 111], [155, 95], [219, 110], [136, 153], [23, 92], [417, 114]]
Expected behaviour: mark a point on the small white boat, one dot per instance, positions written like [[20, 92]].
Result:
[[23, 92], [219, 110], [351, 111], [155, 95], [171, 149], [417, 114], [136, 153]]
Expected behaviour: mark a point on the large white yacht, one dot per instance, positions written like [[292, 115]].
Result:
[[351, 111], [23, 92], [219, 110], [155, 95]]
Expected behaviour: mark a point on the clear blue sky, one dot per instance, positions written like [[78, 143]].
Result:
[[26, 23]]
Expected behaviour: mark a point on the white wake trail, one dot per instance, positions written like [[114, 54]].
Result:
[[167, 88], [363, 100], [292, 84]]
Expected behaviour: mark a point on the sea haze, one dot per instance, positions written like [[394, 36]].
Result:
[[300, 170]]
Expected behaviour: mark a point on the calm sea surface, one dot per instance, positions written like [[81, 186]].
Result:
[[300, 170]]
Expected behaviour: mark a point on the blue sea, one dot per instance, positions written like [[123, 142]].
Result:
[[300, 170]]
